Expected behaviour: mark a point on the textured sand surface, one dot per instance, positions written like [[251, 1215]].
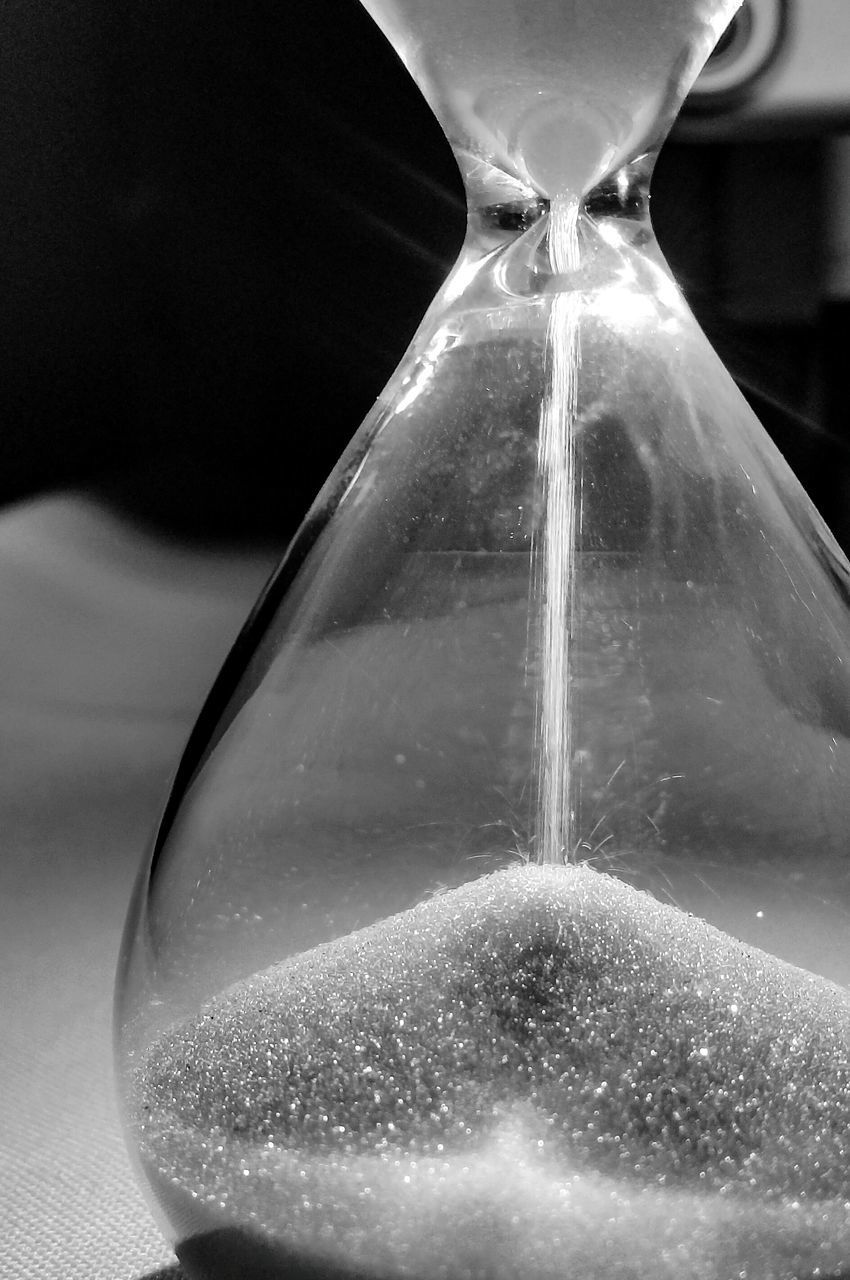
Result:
[[543, 1073]]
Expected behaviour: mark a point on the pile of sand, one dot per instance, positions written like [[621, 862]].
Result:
[[543, 1073]]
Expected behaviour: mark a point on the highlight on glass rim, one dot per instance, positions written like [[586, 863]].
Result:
[[496, 925]]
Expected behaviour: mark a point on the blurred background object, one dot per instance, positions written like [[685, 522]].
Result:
[[109, 640], [221, 225], [760, 167], [781, 65]]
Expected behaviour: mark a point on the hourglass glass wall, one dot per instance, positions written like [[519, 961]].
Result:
[[561, 629]]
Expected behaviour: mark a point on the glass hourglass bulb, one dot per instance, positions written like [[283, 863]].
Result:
[[468, 945]]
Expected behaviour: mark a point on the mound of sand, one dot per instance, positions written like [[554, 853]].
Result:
[[543, 1073]]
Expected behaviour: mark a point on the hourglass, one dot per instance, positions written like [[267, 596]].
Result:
[[497, 920]]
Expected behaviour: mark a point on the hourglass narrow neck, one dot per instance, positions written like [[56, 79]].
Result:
[[520, 249], [502, 209]]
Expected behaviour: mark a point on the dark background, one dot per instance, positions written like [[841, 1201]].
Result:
[[220, 225]]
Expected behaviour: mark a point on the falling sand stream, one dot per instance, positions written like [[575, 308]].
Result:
[[555, 546]]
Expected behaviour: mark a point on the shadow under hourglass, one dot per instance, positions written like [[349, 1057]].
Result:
[[233, 1254], [239, 1254]]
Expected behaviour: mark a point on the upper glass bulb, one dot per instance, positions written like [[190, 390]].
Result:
[[560, 603], [555, 95]]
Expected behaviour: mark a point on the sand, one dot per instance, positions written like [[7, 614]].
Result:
[[544, 1073]]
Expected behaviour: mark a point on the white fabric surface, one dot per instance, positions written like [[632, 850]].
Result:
[[108, 643]]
